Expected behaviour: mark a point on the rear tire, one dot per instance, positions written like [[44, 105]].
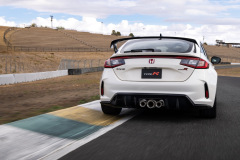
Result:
[[111, 110], [211, 112]]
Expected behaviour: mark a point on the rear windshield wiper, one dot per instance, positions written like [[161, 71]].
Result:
[[140, 50]]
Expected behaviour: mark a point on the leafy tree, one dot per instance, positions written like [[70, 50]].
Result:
[[131, 35], [33, 25], [118, 33], [113, 32]]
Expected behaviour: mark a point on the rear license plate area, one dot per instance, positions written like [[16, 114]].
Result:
[[151, 73]]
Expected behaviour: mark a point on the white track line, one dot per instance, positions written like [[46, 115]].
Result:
[[60, 152]]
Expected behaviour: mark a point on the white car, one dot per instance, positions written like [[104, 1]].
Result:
[[159, 72]]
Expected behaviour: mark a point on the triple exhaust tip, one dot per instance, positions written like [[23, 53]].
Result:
[[151, 103]]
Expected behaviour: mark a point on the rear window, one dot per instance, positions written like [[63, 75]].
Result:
[[156, 45]]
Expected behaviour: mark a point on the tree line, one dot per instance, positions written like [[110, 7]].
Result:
[[117, 33]]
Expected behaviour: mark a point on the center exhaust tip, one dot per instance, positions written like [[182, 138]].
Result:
[[151, 104]]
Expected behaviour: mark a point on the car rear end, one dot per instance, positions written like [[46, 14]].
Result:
[[153, 73]]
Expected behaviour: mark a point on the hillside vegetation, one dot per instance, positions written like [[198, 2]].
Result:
[[35, 37]]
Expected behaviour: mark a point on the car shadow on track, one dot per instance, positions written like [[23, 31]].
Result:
[[170, 115]]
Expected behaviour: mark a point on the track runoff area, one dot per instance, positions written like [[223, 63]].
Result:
[[53, 135]]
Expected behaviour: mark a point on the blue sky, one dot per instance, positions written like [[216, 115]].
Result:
[[213, 19]]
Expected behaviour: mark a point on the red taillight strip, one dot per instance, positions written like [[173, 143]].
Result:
[[205, 66], [206, 91], [108, 63]]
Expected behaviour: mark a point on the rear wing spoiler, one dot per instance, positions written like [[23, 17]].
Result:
[[114, 42]]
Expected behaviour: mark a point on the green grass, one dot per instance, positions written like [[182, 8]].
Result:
[[51, 109], [97, 97]]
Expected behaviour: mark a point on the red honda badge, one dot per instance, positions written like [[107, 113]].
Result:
[[151, 61]]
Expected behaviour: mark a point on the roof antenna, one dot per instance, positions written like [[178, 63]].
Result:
[[160, 37]]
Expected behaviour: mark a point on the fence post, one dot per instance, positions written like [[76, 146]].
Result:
[[84, 63], [78, 63], [19, 67], [6, 65], [99, 62], [10, 65], [73, 64], [15, 67]]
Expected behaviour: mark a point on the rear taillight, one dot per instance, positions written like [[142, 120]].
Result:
[[197, 63], [114, 62]]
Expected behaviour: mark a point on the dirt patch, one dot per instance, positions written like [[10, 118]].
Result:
[[232, 72], [19, 101]]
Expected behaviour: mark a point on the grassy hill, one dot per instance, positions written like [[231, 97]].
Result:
[[46, 39], [227, 54]]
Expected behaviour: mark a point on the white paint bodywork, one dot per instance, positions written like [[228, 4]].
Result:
[[174, 81]]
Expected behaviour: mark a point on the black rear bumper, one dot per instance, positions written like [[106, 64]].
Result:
[[172, 101]]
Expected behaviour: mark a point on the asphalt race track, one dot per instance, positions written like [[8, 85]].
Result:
[[174, 135]]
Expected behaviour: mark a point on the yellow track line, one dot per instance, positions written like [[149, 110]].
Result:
[[86, 115]]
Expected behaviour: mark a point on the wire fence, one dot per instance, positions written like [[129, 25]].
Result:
[[56, 49], [11, 65], [16, 64], [75, 64]]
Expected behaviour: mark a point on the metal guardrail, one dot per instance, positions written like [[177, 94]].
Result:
[[15, 64]]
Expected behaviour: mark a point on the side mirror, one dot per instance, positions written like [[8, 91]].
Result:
[[215, 60]]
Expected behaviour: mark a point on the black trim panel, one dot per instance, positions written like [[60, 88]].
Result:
[[173, 101]]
